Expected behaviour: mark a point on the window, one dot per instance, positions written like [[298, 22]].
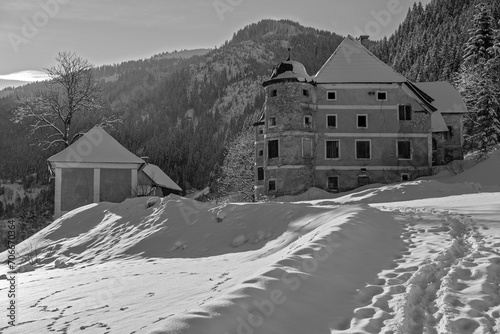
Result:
[[404, 149], [331, 121], [363, 149], [306, 147], [260, 173], [404, 112], [331, 95], [305, 92], [273, 148], [272, 121], [261, 153], [405, 177], [381, 96], [274, 92], [332, 149], [271, 186], [261, 131], [307, 121], [449, 134], [362, 121], [332, 183]]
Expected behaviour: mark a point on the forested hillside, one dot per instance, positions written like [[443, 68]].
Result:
[[429, 44], [183, 113]]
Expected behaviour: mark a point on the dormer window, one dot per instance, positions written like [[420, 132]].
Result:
[[331, 95], [381, 96]]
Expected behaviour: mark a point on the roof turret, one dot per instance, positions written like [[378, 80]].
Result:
[[288, 71]]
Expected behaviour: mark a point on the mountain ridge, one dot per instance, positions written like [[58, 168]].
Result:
[[184, 112]]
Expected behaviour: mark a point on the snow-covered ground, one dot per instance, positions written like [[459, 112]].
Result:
[[415, 257]]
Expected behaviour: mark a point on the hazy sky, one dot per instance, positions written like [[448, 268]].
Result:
[[32, 32]]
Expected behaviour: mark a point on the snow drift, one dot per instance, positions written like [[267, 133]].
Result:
[[414, 257]]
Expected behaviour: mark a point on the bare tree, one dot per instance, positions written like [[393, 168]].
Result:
[[72, 93]]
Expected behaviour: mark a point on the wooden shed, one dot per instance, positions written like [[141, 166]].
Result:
[[152, 181], [93, 169]]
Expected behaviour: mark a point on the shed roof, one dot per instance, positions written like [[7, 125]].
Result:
[[159, 177], [446, 98], [96, 146], [351, 62], [437, 122]]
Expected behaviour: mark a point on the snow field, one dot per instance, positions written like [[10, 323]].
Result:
[[409, 258], [433, 290]]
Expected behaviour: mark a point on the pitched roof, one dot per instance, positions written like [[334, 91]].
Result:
[[96, 146], [446, 98], [420, 96], [437, 122], [159, 177], [353, 63]]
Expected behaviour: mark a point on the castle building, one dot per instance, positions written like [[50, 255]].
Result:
[[357, 121]]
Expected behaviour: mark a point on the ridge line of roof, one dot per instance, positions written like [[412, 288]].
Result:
[[398, 77]]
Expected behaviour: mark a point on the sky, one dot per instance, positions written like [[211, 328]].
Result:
[[32, 32]]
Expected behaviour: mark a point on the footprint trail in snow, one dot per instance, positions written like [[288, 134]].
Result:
[[447, 280]]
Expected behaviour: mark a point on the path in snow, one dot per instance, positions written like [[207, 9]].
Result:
[[447, 281]]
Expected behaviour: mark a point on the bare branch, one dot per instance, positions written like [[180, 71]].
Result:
[[73, 90]]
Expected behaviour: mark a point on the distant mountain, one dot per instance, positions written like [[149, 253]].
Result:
[[183, 109], [183, 54], [11, 83]]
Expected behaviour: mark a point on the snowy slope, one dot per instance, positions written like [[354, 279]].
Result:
[[416, 257]]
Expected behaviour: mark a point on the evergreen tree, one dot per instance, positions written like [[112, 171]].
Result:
[[482, 38], [479, 82]]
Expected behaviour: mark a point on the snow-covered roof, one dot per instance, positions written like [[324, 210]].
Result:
[[437, 122], [159, 177], [446, 98], [96, 146], [288, 70], [353, 63]]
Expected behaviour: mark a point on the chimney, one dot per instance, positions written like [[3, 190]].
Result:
[[363, 39]]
